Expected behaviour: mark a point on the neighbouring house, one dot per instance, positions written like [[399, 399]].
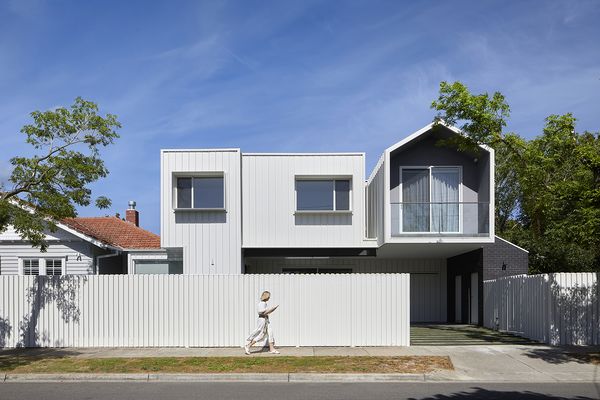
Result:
[[426, 209], [97, 245]]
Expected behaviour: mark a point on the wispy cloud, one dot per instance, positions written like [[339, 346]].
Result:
[[287, 76]]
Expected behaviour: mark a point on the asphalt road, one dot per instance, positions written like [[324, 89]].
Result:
[[293, 391]]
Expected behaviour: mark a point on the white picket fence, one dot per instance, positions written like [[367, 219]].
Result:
[[203, 310], [558, 309]]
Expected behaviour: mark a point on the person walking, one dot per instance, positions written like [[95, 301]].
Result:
[[263, 327]]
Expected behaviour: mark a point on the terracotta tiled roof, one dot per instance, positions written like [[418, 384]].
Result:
[[115, 232]]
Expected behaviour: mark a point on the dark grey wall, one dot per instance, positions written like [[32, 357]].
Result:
[[425, 152], [500, 252], [463, 265]]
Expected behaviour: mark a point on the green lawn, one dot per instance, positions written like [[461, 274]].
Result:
[[402, 364]]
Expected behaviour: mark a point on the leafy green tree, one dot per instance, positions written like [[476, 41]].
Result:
[[48, 186], [547, 188]]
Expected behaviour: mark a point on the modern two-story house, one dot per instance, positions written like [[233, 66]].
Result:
[[426, 209]]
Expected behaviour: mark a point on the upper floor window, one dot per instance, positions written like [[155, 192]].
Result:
[[323, 194], [201, 192]]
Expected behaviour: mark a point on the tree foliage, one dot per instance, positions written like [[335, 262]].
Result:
[[48, 186], [547, 188]]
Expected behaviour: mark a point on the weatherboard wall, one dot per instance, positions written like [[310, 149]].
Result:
[[78, 254]]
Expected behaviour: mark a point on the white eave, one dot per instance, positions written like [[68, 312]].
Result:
[[87, 238], [425, 130]]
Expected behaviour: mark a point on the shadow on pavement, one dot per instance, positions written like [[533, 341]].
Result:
[[561, 355], [480, 393]]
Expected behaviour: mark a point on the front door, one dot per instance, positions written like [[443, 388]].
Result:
[[474, 300], [457, 299]]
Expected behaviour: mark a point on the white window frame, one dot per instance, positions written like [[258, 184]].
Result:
[[42, 265], [192, 175], [331, 178], [460, 197]]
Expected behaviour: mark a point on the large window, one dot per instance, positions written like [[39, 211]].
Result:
[[322, 194], [431, 199], [201, 193]]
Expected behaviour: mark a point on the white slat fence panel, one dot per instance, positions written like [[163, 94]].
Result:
[[558, 309], [203, 310]]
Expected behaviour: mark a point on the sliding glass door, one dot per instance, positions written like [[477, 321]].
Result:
[[430, 199], [415, 200], [444, 199]]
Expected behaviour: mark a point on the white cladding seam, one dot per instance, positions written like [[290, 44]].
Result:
[[203, 310], [557, 309]]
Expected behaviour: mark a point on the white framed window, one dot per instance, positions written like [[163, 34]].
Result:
[[31, 266], [42, 266], [202, 192], [316, 194], [431, 199]]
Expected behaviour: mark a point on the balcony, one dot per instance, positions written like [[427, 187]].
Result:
[[458, 219]]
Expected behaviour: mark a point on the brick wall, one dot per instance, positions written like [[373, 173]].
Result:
[[502, 252]]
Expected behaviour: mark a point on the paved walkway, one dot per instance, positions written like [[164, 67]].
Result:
[[488, 363]]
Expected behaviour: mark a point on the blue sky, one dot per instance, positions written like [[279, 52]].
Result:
[[284, 75]]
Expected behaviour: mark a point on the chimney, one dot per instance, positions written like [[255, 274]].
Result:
[[132, 215]]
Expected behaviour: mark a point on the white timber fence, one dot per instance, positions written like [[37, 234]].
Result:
[[203, 310], [557, 309]]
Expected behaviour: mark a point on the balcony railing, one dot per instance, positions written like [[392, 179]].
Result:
[[441, 218]]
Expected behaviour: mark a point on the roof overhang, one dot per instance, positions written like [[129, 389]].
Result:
[[87, 238], [425, 250]]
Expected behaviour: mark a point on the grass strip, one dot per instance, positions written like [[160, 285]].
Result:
[[283, 364]]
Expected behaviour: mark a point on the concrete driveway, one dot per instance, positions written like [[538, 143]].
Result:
[[460, 335]]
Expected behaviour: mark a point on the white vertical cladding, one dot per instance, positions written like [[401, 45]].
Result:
[[202, 310], [376, 202], [268, 190], [211, 240]]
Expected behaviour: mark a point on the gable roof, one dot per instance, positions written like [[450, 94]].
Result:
[[114, 232], [427, 129]]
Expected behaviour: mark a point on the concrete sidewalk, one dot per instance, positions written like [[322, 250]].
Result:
[[492, 363]]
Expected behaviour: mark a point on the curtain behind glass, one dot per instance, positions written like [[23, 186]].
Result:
[[415, 200], [445, 206]]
